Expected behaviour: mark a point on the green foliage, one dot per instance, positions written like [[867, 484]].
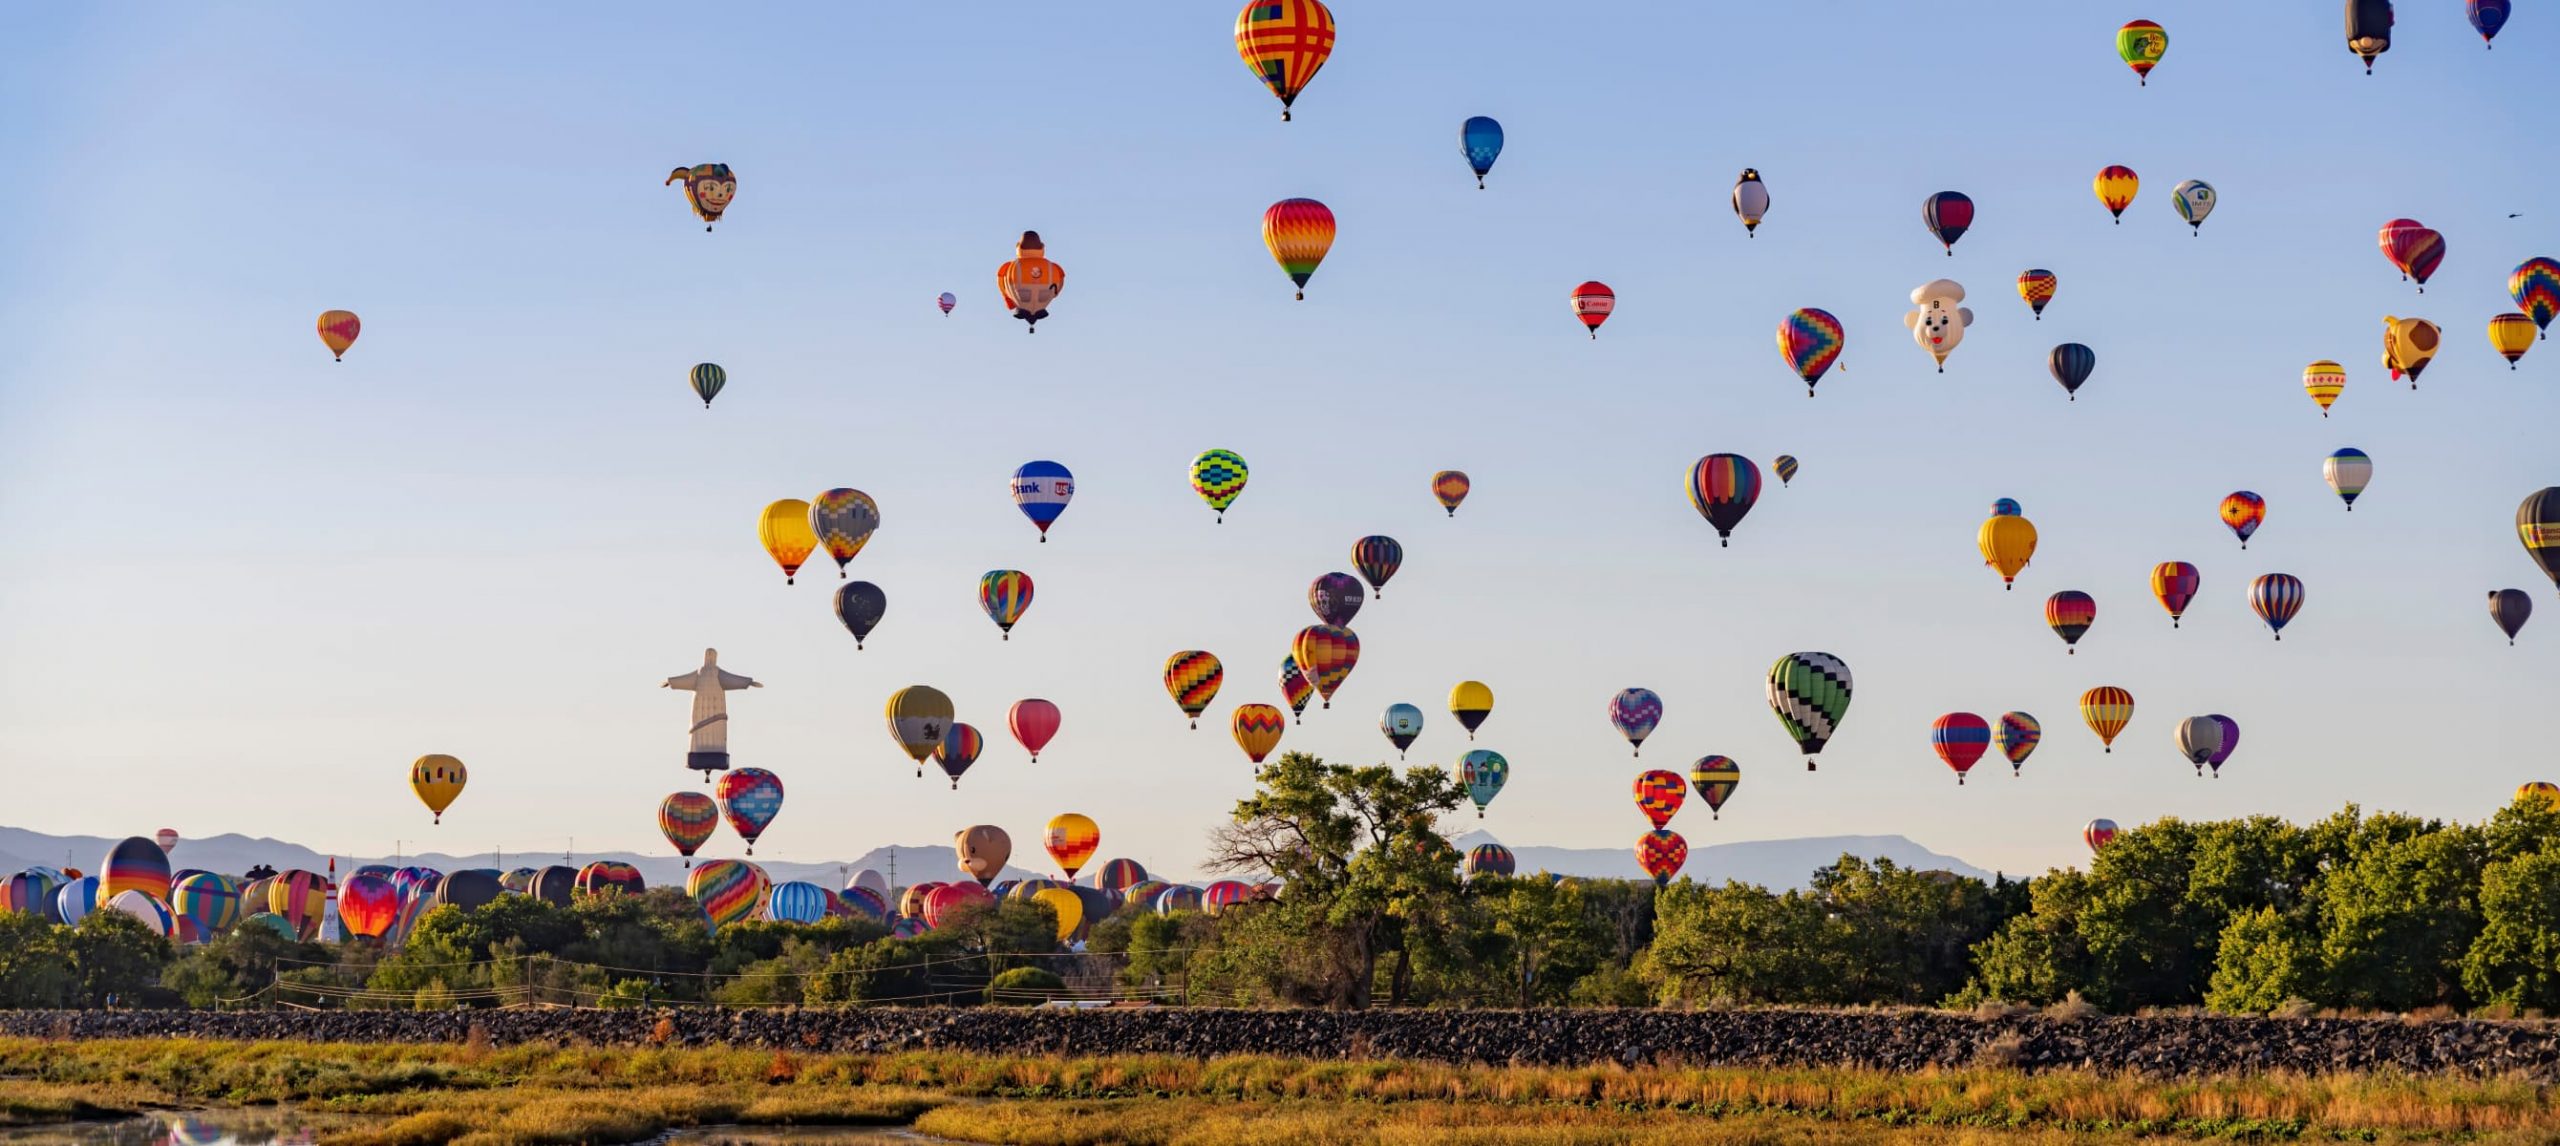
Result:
[[234, 965], [35, 963], [1864, 933], [2265, 961], [2516, 960], [1024, 986], [117, 960]]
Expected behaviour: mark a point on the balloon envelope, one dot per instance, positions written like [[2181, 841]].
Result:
[[1071, 839], [844, 520], [1034, 723], [1285, 42], [750, 798], [1041, 490], [1192, 678], [1480, 139], [982, 850], [783, 529], [859, 606], [1809, 692]]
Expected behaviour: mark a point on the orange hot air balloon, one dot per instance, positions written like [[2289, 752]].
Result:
[[1299, 232], [1072, 839], [784, 529], [1258, 728], [1451, 487], [338, 330], [1030, 282], [2116, 186], [1284, 42]]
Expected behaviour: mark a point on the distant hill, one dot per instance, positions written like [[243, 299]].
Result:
[[1779, 865]]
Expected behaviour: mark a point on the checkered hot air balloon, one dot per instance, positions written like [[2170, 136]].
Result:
[[368, 906], [1285, 42], [1809, 692], [1960, 739], [750, 797], [2175, 583], [1811, 340], [1480, 139], [1659, 795], [2535, 286], [1295, 687], [1635, 713], [1948, 215], [1192, 678], [2036, 286], [1661, 853], [1218, 476], [2276, 597], [687, 819], [1714, 778], [2017, 735], [843, 521]]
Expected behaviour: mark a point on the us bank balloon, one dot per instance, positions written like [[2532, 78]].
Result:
[[2538, 525], [1299, 232], [1041, 491], [1284, 42], [1809, 692], [437, 779], [1480, 138], [2194, 200], [1401, 723], [859, 607], [1750, 201]]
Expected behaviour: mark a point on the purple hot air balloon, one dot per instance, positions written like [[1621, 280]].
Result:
[[1336, 598]]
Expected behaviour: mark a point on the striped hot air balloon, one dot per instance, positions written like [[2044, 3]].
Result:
[[212, 902], [134, 864], [1784, 465], [1490, 859], [687, 819], [729, 890], [1960, 739], [610, 875], [1192, 678], [1005, 594], [1119, 875], [2098, 834], [1327, 654], [1299, 233], [1714, 778], [707, 379], [2276, 597], [1948, 215], [1809, 692], [1723, 488], [1659, 795], [1593, 303], [1377, 557], [959, 749], [1257, 729], [797, 901], [368, 906], [2107, 709], [2070, 613]]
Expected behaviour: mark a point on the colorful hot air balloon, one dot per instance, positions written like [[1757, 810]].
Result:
[[729, 891], [708, 187], [1218, 476], [1660, 853], [1029, 282], [2324, 381], [212, 902], [2349, 470], [1071, 840], [983, 849], [2071, 364], [1041, 491], [1257, 729], [2175, 582], [797, 901], [1811, 340], [1634, 712], [2368, 29], [2511, 334], [2008, 542], [2194, 200], [687, 820], [1659, 794], [1193, 677], [78, 898], [1327, 654], [367, 906], [2142, 43], [1750, 201], [2017, 735], [1723, 488], [338, 330], [2070, 613], [134, 864], [2276, 597], [1490, 859], [2539, 792], [2408, 345], [1593, 302], [1377, 557], [1480, 139], [302, 898], [2487, 16], [437, 779], [2098, 834], [2036, 287], [1809, 692], [843, 520], [946, 301], [2414, 247], [2116, 185], [1294, 686], [1284, 42], [859, 606], [1119, 875], [1960, 739], [1451, 487], [1715, 777], [1936, 321], [2244, 511], [1483, 772], [1471, 701], [1947, 214], [1299, 232], [1784, 465], [1034, 722], [2198, 738], [2535, 286], [2106, 709], [707, 379], [2510, 609], [1005, 594], [1401, 723], [918, 716], [784, 530], [959, 749], [750, 797], [141, 905]]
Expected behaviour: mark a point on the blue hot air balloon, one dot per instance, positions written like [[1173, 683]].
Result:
[[1041, 491], [1481, 139]]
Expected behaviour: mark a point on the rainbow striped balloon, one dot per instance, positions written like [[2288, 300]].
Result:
[[729, 890], [134, 864]]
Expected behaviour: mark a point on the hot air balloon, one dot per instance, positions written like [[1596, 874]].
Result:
[[141, 905], [1218, 476], [2276, 597], [2071, 364], [2198, 738], [1714, 777], [2194, 200], [2037, 287], [134, 864], [212, 902], [1005, 594], [1377, 557], [2098, 834], [1119, 875], [1935, 320], [2511, 334], [1634, 712], [2070, 613], [1029, 282], [1960, 739], [728, 890], [946, 301], [1750, 201], [687, 820], [1593, 302], [1327, 654], [1490, 859], [2243, 511], [707, 379], [918, 716], [1401, 723], [167, 838], [302, 899], [797, 901], [1041, 490], [1335, 597], [1451, 487], [1659, 794], [2368, 29], [367, 906], [2142, 43], [2349, 470], [437, 779], [843, 520], [2006, 507], [784, 530], [2535, 286], [709, 187], [1295, 686], [1660, 853], [1034, 721], [1480, 139], [2008, 542], [1471, 701], [2414, 247], [860, 605], [2230, 742], [1299, 232], [2107, 709], [338, 330], [2538, 525], [1784, 465], [1257, 729], [2542, 792], [2116, 185], [2175, 582], [1809, 692], [1066, 905], [1071, 840], [1483, 772], [959, 749], [1811, 340], [78, 898], [1723, 488], [2510, 608], [2324, 381], [1284, 42], [2408, 344], [2487, 16], [1947, 214], [1193, 677], [750, 797], [984, 848], [2017, 735]]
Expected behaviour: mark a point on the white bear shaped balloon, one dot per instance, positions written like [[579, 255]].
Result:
[[1938, 323]]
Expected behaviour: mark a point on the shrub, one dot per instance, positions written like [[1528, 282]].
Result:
[[1024, 986]]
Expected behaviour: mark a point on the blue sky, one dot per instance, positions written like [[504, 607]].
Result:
[[243, 586]]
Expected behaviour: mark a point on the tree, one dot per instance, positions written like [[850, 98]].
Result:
[[117, 959], [1552, 939], [2036, 957], [2398, 917], [2515, 962], [2266, 960], [35, 964], [1738, 943], [236, 964]]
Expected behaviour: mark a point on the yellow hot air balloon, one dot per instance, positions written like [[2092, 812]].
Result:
[[2543, 792], [338, 330], [786, 534], [1068, 906], [437, 779], [1258, 728], [2512, 334], [2408, 344], [2116, 185], [1471, 701], [1072, 839], [2324, 381], [2008, 541], [919, 715]]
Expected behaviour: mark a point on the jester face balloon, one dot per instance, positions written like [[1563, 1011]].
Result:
[[709, 187], [1937, 321]]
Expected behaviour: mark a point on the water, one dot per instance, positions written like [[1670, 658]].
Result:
[[270, 1128]]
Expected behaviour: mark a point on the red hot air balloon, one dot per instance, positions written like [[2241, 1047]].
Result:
[[1034, 722], [1659, 795], [1592, 303], [2098, 834], [2414, 247], [1948, 214], [1661, 852], [2175, 583], [1960, 738]]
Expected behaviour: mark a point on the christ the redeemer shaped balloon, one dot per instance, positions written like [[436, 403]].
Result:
[[710, 687]]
